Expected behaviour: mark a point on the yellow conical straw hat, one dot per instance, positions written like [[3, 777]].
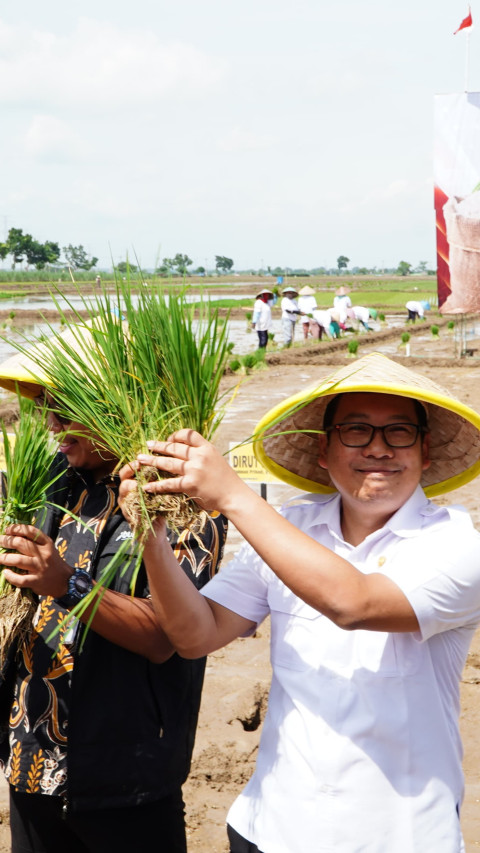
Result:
[[293, 456], [25, 373]]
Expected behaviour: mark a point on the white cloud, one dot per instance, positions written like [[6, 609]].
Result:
[[241, 139], [100, 65], [50, 139]]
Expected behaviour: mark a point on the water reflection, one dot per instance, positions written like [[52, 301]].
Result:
[[45, 302]]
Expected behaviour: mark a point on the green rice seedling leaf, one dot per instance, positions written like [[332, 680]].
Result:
[[29, 474], [138, 368]]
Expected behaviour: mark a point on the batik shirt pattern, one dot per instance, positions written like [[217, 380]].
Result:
[[38, 735]]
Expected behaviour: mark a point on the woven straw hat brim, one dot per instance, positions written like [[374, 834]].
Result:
[[306, 291], [290, 290], [20, 371], [293, 455], [265, 290]]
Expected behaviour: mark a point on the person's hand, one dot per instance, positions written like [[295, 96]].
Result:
[[196, 467], [34, 555]]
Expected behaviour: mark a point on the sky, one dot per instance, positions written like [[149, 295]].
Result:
[[277, 133]]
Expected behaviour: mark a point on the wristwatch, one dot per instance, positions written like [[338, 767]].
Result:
[[79, 585]]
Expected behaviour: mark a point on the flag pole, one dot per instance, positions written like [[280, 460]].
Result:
[[467, 60]]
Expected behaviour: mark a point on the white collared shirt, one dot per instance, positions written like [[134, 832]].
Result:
[[290, 309], [262, 316], [307, 304], [360, 749]]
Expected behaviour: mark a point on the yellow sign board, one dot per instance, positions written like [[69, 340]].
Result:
[[246, 465]]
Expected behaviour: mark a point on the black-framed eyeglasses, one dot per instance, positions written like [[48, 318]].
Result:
[[360, 435], [42, 400]]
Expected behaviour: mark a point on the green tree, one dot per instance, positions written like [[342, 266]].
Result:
[[78, 258], [15, 243], [23, 247], [165, 267], [342, 262], [422, 266], [404, 268], [124, 267], [40, 254], [223, 264], [181, 263], [175, 266]]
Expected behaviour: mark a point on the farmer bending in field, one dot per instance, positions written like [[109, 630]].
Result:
[[96, 741], [373, 593]]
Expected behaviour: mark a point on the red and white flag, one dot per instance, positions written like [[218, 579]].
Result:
[[466, 23]]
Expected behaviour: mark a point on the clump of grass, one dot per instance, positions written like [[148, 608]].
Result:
[[434, 330], [405, 337], [450, 325], [352, 346], [249, 360], [235, 365], [29, 456]]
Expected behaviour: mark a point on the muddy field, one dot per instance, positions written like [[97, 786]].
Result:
[[237, 681]]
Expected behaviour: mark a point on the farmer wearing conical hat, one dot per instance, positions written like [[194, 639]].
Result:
[[373, 593], [97, 730], [308, 304], [262, 316], [290, 314], [342, 303]]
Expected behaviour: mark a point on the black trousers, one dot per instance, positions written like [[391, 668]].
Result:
[[262, 338], [38, 825], [239, 844]]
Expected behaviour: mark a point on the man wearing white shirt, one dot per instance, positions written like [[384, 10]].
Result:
[[373, 593], [290, 314], [262, 316], [416, 309]]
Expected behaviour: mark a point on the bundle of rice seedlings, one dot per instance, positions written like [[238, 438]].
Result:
[[29, 456], [138, 369]]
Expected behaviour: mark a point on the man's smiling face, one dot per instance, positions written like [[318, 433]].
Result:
[[377, 475]]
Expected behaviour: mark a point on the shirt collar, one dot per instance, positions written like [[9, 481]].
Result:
[[324, 510], [414, 514]]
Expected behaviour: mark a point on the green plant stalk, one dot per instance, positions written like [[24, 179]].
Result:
[[143, 375], [28, 477]]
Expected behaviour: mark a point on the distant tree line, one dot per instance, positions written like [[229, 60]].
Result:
[[24, 249], [180, 263]]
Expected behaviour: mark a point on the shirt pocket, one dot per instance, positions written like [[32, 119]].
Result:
[[387, 655], [295, 631]]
